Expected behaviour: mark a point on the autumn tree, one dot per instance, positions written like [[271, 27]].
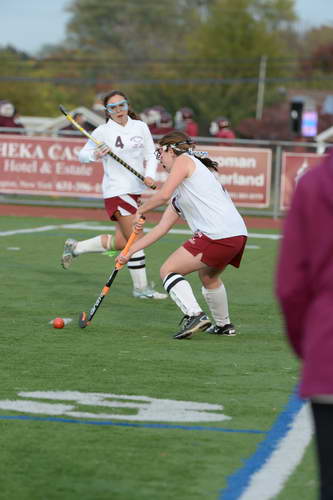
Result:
[[204, 54], [232, 41], [319, 61], [314, 38], [142, 29], [35, 86]]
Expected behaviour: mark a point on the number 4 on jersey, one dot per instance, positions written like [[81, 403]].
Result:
[[119, 143]]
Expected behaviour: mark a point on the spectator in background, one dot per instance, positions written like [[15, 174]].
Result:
[[71, 131], [184, 121], [158, 120], [164, 124], [9, 118], [151, 117], [305, 291], [98, 106], [220, 128]]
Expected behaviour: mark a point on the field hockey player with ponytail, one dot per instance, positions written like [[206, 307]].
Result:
[[219, 234]]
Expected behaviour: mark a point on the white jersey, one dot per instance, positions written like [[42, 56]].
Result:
[[206, 206], [134, 144]]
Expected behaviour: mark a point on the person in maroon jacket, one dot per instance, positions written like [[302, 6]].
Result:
[[158, 120], [220, 128], [184, 121], [304, 287]]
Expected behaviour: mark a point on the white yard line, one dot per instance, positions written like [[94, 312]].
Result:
[[99, 227], [270, 479], [264, 474], [26, 231]]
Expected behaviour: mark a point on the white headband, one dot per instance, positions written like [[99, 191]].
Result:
[[189, 151]]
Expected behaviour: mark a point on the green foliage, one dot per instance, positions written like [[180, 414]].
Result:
[[39, 86], [135, 29], [232, 41], [215, 40], [204, 54], [275, 13]]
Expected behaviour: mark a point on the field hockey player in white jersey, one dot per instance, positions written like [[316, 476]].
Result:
[[219, 234], [129, 138]]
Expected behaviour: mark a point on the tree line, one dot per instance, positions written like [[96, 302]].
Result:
[[202, 54]]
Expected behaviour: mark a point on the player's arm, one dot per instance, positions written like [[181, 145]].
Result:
[[149, 153], [150, 161], [181, 169], [168, 219]]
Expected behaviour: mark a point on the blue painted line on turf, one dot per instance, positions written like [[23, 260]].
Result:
[[129, 424], [239, 481]]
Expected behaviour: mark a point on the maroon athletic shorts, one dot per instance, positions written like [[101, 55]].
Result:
[[120, 205], [217, 253]]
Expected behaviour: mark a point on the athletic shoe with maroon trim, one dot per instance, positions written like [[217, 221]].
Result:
[[192, 324], [227, 330], [68, 254]]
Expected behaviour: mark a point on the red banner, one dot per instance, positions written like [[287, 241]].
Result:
[[245, 173], [294, 165], [47, 166]]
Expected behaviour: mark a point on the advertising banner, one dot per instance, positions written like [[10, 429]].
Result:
[[49, 166], [245, 173], [294, 165]]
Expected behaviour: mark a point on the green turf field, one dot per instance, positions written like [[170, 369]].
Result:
[[106, 419]]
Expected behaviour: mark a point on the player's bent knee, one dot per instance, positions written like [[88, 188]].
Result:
[[107, 241], [210, 283]]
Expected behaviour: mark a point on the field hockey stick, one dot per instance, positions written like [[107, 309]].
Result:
[[98, 143], [84, 319]]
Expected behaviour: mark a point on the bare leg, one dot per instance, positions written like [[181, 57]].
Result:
[[104, 242], [183, 262], [98, 244]]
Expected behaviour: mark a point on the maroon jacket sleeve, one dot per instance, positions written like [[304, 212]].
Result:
[[192, 129], [292, 286]]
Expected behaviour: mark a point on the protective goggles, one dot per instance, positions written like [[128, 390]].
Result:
[[159, 151], [121, 105]]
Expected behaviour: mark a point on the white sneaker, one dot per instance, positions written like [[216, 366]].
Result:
[[68, 254], [148, 293]]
